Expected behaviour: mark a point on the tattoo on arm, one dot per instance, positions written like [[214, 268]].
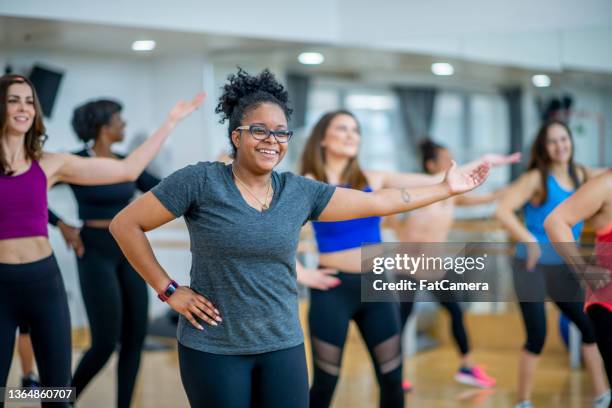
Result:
[[405, 195]]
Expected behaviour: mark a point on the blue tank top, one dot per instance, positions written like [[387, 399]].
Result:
[[534, 222], [340, 235]]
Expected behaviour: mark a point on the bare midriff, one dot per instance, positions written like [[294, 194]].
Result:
[[103, 224], [348, 260], [24, 250]]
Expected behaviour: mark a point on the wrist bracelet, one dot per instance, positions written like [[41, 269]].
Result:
[[170, 289]]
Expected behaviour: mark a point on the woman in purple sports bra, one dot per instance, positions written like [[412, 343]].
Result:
[[31, 288]]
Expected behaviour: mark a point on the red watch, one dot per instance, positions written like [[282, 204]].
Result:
[[170, 289]]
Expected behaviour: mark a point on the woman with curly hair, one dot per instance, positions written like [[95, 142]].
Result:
[[244, 221], [115, 297]]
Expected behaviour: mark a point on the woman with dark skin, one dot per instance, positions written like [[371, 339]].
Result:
[[114, 295], [244, 221], [31, 289]]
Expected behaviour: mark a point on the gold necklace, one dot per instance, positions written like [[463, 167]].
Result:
[[264, 205]]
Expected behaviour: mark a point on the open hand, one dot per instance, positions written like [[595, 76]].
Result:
[[463, 180], [322, 279], [597, 277], [72, 237], [192, 306], [533, 255], [182, 109]]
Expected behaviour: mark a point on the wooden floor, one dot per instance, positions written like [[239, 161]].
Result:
[[496, 341]]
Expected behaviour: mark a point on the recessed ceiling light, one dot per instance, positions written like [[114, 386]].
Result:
[[143, 45], [540, 81], [311, 58], [442, 68]]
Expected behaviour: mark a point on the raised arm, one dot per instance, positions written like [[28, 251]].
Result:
[[349, 203], [467, 200], [515, 197], [63, 167], [593, 172], [128, 228], [585, 203], [387, 179]]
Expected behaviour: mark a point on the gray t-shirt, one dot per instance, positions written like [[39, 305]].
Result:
[[243, 260]]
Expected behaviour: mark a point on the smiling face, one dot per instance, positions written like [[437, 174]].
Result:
[[558, 144], [260, 156], [342, 137], [20, 109]]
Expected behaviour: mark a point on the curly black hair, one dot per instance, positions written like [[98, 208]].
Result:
[[243, 93], [88, 118]]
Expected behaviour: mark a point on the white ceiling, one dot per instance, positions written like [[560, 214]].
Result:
[[543, 34]]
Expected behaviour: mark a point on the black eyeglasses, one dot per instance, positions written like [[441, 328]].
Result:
[[262, 133]]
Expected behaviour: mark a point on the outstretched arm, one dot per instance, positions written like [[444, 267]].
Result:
[[69, 168], [467, 200], [349, 203], [387, 179]]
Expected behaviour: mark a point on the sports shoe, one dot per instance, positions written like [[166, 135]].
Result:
[[603, 401], [475, 376], [30, 381]]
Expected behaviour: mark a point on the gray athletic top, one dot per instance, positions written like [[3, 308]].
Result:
[[243, 260]]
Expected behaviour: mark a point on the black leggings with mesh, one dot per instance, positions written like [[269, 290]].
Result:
[[329, 316]]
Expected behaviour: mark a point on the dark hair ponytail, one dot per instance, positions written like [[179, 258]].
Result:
[[429, 151]]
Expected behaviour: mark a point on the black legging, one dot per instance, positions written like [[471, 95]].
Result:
[[601, 318], [33, 295], [116, 300], [456, 319], [329, 316], [274, 379], [531, 289]]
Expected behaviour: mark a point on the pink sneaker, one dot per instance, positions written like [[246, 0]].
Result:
[[475, 376], [406, 385]]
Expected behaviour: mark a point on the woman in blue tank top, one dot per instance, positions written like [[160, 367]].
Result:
[[330, 156], [538, 270]]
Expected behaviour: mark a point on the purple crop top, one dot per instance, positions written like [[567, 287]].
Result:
[[23, 204]]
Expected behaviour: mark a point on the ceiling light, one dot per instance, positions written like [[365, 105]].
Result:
[[540, 81], [143, 45], [311, 58], [442, 68]]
